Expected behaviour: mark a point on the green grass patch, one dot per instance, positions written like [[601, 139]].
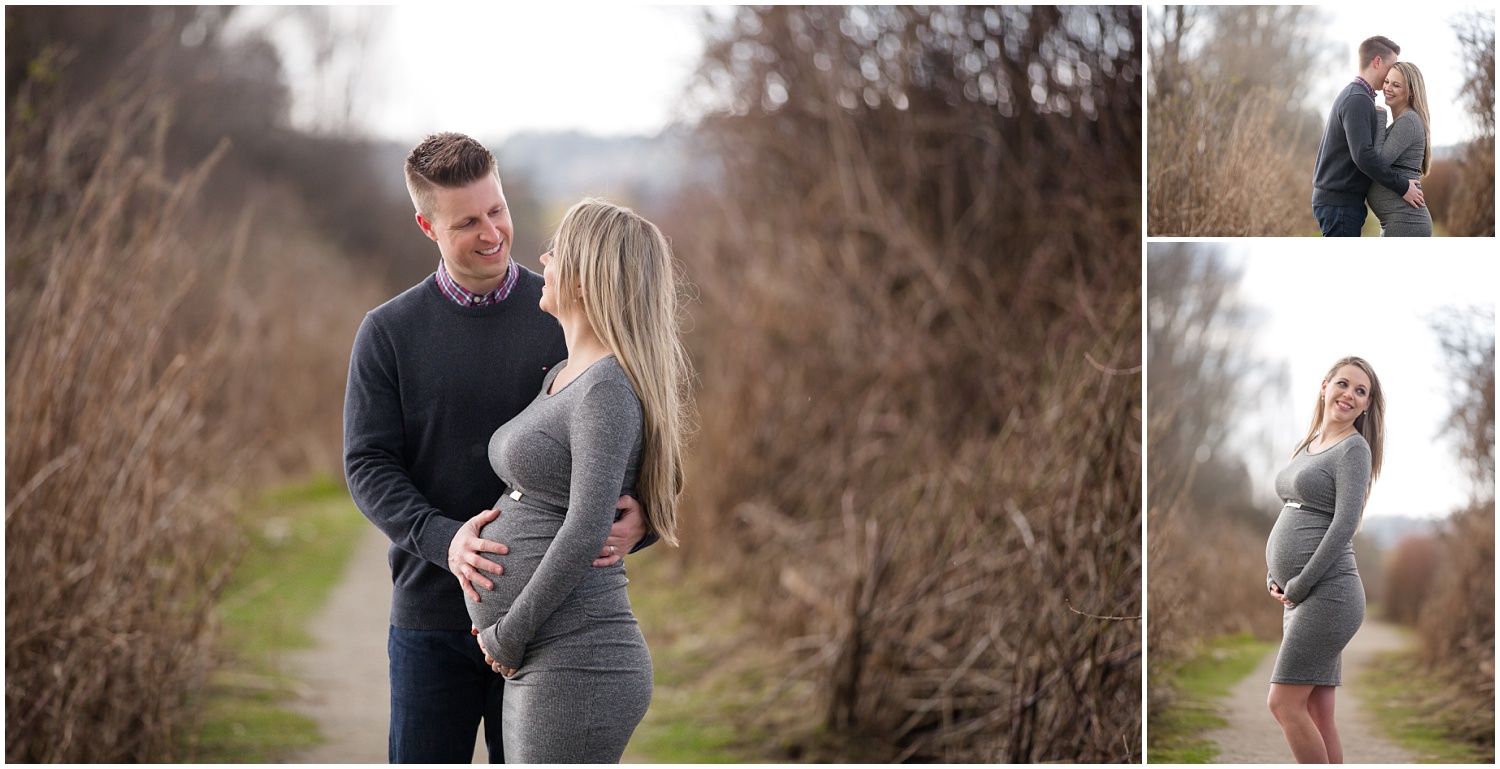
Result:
[[722, 695], [298, 542], [1427, 714], [1194, 689], [696, 704]]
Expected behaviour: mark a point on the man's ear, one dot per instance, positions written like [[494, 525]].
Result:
[[426, 226]]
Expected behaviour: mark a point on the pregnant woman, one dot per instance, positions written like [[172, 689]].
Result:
[[1310, 555], [607, 421], [1406, 148]]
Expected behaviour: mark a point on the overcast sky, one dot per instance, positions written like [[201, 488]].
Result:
[[605, 69], [1324, 299]]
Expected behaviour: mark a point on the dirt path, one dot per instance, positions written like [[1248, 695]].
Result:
[[345, 677], [1253, 737]]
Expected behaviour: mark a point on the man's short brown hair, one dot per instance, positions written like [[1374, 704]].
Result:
[[445, 160], [1379, 45]]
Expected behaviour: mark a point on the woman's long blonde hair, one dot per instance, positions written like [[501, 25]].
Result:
[[1416, 87], [624, 266], [1370, 424]]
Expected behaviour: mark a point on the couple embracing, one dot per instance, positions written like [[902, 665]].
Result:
[[515, 435], [1362, 159]]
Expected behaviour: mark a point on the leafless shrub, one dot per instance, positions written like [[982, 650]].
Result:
[[1220, 169], [1457, 626], [1409, 569], [159, 353], [919, 353], [1473, 213], [1201, 516], [1231, 152], [1457, 622]]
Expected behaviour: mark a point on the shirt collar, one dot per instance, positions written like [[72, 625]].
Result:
[[466, 298], [1369, 89]]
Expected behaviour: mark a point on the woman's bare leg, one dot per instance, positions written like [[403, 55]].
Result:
[[1289, 704], [1320, 707]]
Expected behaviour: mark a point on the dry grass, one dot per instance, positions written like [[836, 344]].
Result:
[[1457, 625], [1409, 570], [1456, 621], [920, 394], [158, 353], [1219, 166], [1185, 609], [1473, 213], [1473, 207]]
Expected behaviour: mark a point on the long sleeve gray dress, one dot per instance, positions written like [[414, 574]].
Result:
[[1400, 147], [583, 674], [1310, 554]]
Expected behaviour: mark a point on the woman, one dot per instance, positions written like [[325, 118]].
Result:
[[1310, 555], [1406, 148], [607, 421]]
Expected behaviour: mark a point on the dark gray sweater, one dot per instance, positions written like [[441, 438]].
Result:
[[429, 381], [1347, 159]]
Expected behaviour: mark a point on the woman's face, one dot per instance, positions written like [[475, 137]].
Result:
[[1346, 395], [548, 301], [1396, 92]]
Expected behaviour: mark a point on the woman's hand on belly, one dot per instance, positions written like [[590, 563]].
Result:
[[1278, 595], [495, 666]]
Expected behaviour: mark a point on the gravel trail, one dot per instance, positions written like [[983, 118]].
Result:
[[1253, 737], [346, 684]]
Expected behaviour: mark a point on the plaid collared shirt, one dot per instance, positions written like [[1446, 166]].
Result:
[[1369, 89], [467, 298]]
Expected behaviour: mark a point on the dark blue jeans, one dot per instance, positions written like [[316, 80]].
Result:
[[1340, 221], [440, 690]]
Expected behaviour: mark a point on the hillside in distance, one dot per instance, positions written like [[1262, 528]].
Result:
[[639, 171]]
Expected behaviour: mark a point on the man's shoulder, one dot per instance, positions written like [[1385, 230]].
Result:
[[1354, 95], [528, 283], [407, 301]]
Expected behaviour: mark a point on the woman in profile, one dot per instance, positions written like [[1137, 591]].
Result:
[[1310, 555], [608, 421], [1406, 148]]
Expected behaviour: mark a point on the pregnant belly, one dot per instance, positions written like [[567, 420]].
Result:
[[527, 533], [1292, 543]]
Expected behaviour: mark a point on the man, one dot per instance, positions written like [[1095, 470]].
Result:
[[433, 373], [1347, 160]]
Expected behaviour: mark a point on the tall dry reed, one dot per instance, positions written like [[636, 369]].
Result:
[[1473, 213], [1219, 166], [1409, 568], [1457, 621], [159, 354], [1201, 518], [1457, 625], [920, 387]]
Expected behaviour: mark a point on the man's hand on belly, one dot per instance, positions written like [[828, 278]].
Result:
[[464, 559]]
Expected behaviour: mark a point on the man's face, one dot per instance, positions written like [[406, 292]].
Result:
[[1382, 65], [473, 230]]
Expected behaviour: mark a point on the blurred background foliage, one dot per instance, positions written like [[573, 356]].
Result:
[[184, 274], [914, 237], [919, 353], [1203, 516], [1228, 101]]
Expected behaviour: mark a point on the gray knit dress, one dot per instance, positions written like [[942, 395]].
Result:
[[583, 674], [1400, 146], [1310, 554]]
